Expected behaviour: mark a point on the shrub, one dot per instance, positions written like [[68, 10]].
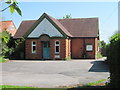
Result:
[[113, 57], [2, 60], [11, 48], [19, 49], [99, 55], [5, 39]]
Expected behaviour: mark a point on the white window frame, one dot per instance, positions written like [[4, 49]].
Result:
[[57, 45], [33, 46], [89, 47], [12, 27]]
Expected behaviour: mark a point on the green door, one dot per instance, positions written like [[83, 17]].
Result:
[[46, 50]]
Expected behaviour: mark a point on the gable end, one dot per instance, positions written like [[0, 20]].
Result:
[[39, 21]]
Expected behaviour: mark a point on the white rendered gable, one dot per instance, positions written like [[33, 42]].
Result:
[[45, 27]]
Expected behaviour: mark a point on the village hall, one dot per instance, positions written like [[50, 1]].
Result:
[[50, 38]]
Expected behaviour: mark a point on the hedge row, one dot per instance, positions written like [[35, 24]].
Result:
[[113, 57]]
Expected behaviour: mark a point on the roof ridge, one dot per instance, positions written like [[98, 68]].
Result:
[[78, 18], [73, 27], [7, 21], [29, 20], [56, 21]]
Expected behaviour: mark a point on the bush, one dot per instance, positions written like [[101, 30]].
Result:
[[113, 57], [2, 60], [99, 55], [11, 48], [5, 39], [19, 49]]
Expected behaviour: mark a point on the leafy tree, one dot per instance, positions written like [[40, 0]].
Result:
[[102, 48], [101, 44], [12, 5], [19, 47], [67, 16], [9, 46], [6, 48], [115, 37], [5, 38]]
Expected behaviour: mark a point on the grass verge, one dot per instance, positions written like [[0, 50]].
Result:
[[95, 83], [2, 60], [8, 87], [11, 87]]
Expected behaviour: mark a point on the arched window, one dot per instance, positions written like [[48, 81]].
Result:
[[33, 47], [57, 47]]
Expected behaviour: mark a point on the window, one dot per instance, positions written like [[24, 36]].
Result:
[[33, 47], [11, 27], [89, 47], [57, 47]]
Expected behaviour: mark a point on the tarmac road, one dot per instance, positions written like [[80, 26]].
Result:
[[52, 73]]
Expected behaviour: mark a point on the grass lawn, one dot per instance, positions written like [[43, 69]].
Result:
[[11, 87], [2, 60], [8, 87], [97, 83]]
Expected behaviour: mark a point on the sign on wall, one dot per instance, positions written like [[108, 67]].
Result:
[[89, 47]]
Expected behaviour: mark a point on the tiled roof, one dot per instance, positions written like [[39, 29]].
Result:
[[23, 28], [80, 27], [5, 24], [61, 26]]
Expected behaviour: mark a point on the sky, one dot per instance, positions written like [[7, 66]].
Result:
[[107, 12]]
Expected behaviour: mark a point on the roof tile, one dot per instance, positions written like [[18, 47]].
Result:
[[80, 27]]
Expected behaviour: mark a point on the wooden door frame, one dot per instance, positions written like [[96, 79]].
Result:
[[42, 46]]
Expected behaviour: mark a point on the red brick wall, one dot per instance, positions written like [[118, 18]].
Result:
[[96, 46], [6, 26], [28, 51], [78, 47], [64, 49], [91, 54], [12, 31], [68, 52], [75, 49]]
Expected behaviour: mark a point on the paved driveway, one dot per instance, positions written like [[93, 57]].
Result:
[[53, 73]]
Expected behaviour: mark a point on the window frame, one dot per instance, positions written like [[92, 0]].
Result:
[[58, 46], [12, 27], [33, 45], [89, 45]]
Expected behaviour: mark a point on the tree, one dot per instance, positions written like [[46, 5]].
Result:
[[102, 47], [101, 44], [19, 47], [9, 46], [13, 5], [67, 16], [5, 38]]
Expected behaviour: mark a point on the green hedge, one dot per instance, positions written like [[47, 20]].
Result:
[[19, 52], [113, 58]]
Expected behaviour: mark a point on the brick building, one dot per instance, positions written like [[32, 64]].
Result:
[[50, 38], [8, 26]]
